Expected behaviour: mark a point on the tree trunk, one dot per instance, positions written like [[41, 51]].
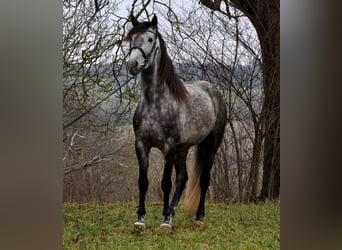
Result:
[[267, 27], [265, 17]]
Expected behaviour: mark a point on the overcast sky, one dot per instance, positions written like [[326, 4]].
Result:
[[125, 6]]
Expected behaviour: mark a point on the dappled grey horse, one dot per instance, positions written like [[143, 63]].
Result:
[[172, 116]]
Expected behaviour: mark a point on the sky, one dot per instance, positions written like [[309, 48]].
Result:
[[178, 6], [125, 6], [182, 8]]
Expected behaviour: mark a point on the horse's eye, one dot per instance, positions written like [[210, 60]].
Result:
[[150, 40]]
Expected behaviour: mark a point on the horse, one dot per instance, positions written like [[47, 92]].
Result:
[[172, 116]]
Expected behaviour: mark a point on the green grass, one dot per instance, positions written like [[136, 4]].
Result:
[[110, 226]]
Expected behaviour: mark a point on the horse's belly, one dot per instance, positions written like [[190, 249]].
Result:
[[196, 134], [195, 126]]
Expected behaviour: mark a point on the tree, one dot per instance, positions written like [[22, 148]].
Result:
[[265, 17], [98, 98]]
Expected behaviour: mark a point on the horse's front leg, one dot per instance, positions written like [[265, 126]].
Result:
[[166, 187], [142, 151], [181, 178]]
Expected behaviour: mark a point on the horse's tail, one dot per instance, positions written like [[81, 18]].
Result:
[[193, 189]]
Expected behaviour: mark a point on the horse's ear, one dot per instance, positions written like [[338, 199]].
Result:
[[154, 22], [133, 20]]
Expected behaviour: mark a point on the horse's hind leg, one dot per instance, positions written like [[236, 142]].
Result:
[[206, 159], [142, 152], [206, 155]]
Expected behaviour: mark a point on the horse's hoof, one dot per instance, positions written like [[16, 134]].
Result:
[[166, 226], [198, 223], [140, 226], [167, 223]]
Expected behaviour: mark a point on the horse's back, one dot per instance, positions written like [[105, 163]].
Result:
[[208, 87], [210, 90], [202, 109]]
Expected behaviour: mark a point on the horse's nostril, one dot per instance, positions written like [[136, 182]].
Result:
[[133, 67], [132, 64]]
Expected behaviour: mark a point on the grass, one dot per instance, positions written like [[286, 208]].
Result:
[[110, 226]]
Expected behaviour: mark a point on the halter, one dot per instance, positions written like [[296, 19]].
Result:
[[147, 57]]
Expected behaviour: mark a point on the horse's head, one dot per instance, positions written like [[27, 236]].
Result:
[[144, 45]]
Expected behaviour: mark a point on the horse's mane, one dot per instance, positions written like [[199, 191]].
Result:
[[166, 71]]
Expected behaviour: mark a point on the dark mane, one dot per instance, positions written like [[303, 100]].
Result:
[[166, 71]]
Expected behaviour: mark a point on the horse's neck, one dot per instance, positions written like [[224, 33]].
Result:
[[152, 88]]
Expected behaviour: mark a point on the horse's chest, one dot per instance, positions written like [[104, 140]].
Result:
[[155, 124], [150, 126]]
